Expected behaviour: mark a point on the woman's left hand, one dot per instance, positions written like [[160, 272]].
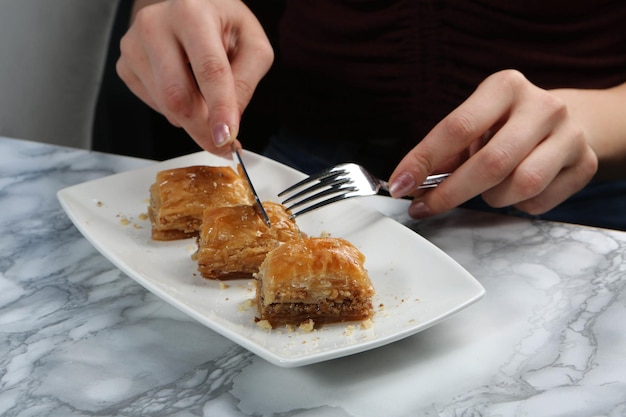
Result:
[[510, 141]]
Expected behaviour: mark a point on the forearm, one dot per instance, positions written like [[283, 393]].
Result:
[[603, 116]]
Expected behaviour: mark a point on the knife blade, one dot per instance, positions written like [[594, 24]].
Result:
[[257, 200]]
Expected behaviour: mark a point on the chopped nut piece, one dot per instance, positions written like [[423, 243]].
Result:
[[307, 326], [264, 324]]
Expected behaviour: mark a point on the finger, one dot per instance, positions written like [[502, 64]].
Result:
[[534, 173], [525, 155], [488, 169], [131, 62], [550, 175], [134, 84], [181, 101], [494, 163], [555, 169], [176, 90], [454, 134], [252, 59], [569, 181], [217, 85], [155, 70], [212, 71], [528, 180]]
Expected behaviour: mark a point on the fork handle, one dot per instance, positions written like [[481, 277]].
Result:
[[430, 182]]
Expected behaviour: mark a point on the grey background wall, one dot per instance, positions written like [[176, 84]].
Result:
[[51, 58]]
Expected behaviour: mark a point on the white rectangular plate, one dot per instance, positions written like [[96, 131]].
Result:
[[417, 285]]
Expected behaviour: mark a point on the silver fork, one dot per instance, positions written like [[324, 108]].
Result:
[[339, 183]]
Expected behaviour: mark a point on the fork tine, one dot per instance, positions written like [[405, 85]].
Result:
[[330, 181], [319, 176], [339, 188], [321, 204]]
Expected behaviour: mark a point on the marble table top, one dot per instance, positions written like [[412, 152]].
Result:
[[80, 338]]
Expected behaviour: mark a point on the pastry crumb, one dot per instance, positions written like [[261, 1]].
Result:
[[367, 324], [307, 325], [143, 217], [124, 221], [246, 305], [223, 285], [349, 330], [264, 324]]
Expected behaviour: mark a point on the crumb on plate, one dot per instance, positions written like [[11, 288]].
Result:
[[307, 325], [264, 324]]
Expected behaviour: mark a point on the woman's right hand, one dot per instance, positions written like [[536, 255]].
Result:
[[197, 62]]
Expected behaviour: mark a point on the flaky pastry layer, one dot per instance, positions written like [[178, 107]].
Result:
[[179, 197], [234, 241], [323, 279]]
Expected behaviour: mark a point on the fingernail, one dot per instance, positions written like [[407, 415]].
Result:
[[221, 134], [403, 185], [419, 209]]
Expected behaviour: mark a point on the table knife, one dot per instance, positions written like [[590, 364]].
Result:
[[239, 161]]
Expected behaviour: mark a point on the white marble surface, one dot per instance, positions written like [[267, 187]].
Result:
[[79, 338]]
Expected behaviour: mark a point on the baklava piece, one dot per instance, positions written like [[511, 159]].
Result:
[[234, 241], [179, 197], [318, 279]]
